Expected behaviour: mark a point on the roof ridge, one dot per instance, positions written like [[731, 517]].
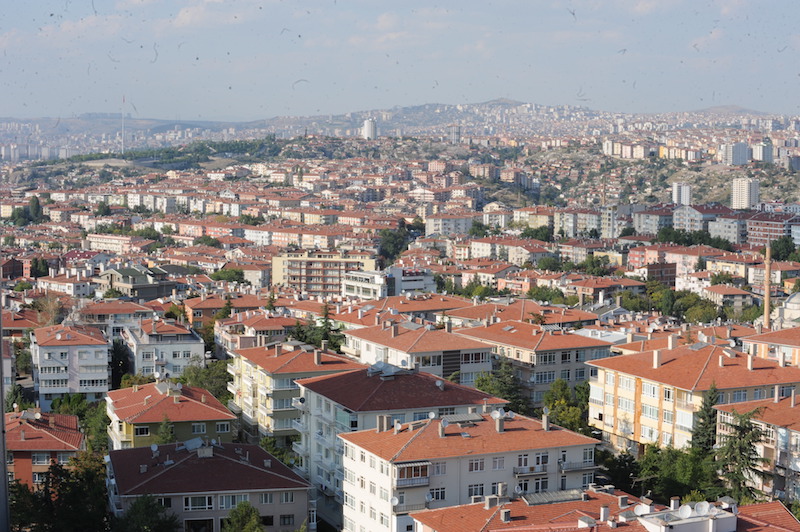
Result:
[[149, 407], [368, 397], [416, 341], [489, 520], [413, 437], [292, 359], [264, 469], [158, 474], [705, 366]]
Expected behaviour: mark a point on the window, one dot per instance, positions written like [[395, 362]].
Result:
[[349, 501], [447, 411], [474, 490], [586, 479], [38, 478], [384, 520], [759, 393], [739, 396], [623, 403], [649, 433], [40, 458], [166, 502], [141, 431], [668, 395], [544, 377], [223, 427], [287, 497], [439, 468], [649, 389], [438, 494], [227, 502], [63, 458], [286, 519], [669, 416], [198, 428], [609, 399], [545, 359], [786, 391], [522, 460], [565, 374], [498, 462], [384, 494], [373, 487], [9, 457], [268, 520], [626, 383], [265, 498], [580, 374], [588, 455], [198, 503], [609, 379], [666, 439], [475, 464], [566, 357], [650, 412], [540, 485]]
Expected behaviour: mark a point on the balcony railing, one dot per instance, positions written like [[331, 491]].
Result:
[[298, 425], [685, 405], [414, 481], [531, 470], [405, 508], [576, 466]]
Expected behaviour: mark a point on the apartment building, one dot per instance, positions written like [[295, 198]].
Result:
[[652, 397], [362, 400], [410, 344], [68, 360], [318, 273], [251, 328], [35, 440], [113, 316], [162, 347], [782, 346], [764, 227], [201, 483], [447, 224], [697, 217], [264, 386], [453, 460], [539, 356], [137, 282]]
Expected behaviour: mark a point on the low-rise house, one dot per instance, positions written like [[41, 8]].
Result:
[[35, 440], [200, 483], [728, 296], [136, 414]]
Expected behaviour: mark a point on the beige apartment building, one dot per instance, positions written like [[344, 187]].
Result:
[[319, 273]]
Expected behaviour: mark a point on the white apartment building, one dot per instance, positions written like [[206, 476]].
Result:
[[453, 460], [409, 345], [364, 399], [163, 347], [69, 360], [681, 193], [745, 193]]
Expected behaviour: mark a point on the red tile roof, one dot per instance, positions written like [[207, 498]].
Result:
[[226, 470], [419, 340], [766, 516], [149, 403], [424, 442], [50, 432], [360, 391], [297, 360], [56, 335], [529, 336]]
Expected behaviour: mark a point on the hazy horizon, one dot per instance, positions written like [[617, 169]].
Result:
[[246, 60]]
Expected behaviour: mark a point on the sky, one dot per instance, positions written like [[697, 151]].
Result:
[[245, 60]]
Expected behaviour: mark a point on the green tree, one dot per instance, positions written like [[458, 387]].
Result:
[[112, 293], [504, 383], [206, 240], [627, 231], [102, 209], [21, 286], [549, 263], [129, 379], [478, 229], [721, 278], [704, 432], [230, 275], [782, 248], [71, 404], [225, 311], [243, 518], [621, 469], [120, 362], [392, 243], [214, 378], [738, 456], [165, 433], [543, 233], [145, 514], [16, 395]]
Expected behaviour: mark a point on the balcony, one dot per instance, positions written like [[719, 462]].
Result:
[[522, 471], [299, 425], [320, 437], [233, 407], [411, 482], [685, 405], [576, 466], [298, 404], [405, 508], [233, 388], [233, 370]]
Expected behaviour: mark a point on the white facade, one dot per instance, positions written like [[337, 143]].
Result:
[[163, 347], [681, 193], [369, 131], [745, 193]]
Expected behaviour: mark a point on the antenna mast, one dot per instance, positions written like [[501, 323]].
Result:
[[123, 124]]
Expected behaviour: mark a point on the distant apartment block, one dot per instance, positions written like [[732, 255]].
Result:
[[319, 273]]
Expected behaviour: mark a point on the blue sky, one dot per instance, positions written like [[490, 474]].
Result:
[[253, 59]]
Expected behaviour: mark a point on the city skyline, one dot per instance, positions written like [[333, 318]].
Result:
[[250, 60]]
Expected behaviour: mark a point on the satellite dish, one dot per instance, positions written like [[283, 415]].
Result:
[[404, 362], [153, 447], [445, 423], [685, 511], [429, 496], [214, 441], [439, 383], [395, 501], [496, 414], [546, 410], [302, 400], [511, 414], [157, 375], [180, 386], [15, 405], [58, 336], [37, 415], [431, 415], [702, 508], [641, 509], [397, 425], [518, 489]]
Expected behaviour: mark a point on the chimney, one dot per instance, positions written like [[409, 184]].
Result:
[[22, 435], [793, 398], [505, 515], [441, 430], [135, 388], [750, 362], [781, 360], [499, 424], [16, 408], [203, 398], [605, 513], [361, 313], [448, 326], [277, 350], [177, 399], [323, 345], [672, 341], [52, 419], [656, 358], [394, 330], [546, 422], [674, 503], [377, 318], [722, 361], [623, 501], [629, 337], [153, 331], [317, 358], [776, 393]]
